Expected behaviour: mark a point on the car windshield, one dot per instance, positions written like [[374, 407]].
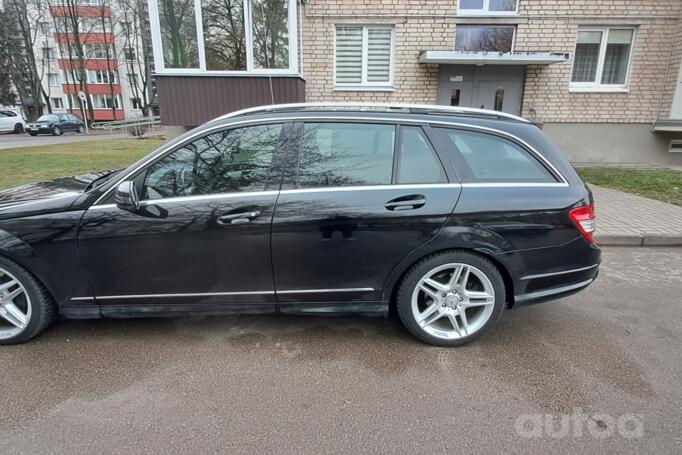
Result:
[[48, 118]]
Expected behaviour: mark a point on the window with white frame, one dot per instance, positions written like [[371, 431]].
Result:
[[102, 77], [97, 51], [602, 58], [218, 36], [53, 79], [43, 28], [363, 57], [57, 103], [100, 101], [135, 103], [488, 7]]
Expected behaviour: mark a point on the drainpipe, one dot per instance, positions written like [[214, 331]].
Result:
[[667, 73]]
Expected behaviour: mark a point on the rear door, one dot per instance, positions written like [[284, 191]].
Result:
[[357, 197]]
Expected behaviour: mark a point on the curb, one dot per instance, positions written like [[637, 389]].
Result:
[[639, 240]]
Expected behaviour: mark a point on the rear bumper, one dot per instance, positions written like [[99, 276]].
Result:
[[554, 272]]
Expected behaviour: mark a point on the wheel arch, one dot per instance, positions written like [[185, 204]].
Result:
[[391, 287]]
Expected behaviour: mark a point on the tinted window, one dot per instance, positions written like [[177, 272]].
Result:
[[48, 118], [489, 158], [418, 162], [225, 162], [344, 154]]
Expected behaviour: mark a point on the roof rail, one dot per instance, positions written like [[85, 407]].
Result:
[[413, 108]]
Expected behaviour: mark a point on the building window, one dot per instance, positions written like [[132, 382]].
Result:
[[57, 103], [97, 51], [48, 53], [102, 77], [53, 79], [488, 7], [486, 38], [126, 28], [92, 25], [104, 101], [43, 28], [129, 53], [363, 57], [135, 103], [602, 58], [238, 35]]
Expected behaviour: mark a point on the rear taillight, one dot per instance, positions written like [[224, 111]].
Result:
[[585, 220]]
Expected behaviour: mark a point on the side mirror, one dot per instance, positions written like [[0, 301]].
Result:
[[126, 197]]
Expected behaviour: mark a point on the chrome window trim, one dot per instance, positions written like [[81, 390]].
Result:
[[335, 189], [218, 294], [358, 118]]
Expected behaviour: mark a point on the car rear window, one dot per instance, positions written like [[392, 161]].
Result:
[[487, 158]]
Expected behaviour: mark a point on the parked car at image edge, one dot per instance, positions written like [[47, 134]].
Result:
[[55, 124], [446, 216], [11, 122]]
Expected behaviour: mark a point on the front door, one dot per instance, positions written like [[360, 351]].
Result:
[[202, 233], [360, 197], [491, 87]]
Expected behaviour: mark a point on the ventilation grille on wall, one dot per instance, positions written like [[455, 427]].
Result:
[[675, 146]]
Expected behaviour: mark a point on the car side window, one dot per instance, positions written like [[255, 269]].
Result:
[[229, 161], [345, 154], [490, 158], [417, 162]]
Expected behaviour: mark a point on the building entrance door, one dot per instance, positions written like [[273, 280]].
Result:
[[489, 87]]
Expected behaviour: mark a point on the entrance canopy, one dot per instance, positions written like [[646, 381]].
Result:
[[491, 58]]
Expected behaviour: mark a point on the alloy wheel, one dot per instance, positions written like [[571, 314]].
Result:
[[15, 306], [453, 301]]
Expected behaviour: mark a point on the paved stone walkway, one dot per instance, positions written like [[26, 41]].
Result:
[[626, 219]]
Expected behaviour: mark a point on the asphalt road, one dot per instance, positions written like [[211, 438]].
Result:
[[608, 361], [8, 141]]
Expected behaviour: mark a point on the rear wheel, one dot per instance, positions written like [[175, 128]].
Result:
[[451, 299], [26, 308], [81, 129], [56, 131], [18, 128]]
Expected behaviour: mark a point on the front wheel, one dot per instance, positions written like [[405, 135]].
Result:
[[26, 308], [451, 299], [56, 131]]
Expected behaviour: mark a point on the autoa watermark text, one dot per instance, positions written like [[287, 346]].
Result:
[[579, 425]]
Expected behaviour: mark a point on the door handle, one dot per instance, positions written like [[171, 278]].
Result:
[[411, 202], [238, 218]]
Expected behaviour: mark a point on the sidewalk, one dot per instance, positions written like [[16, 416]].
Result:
[[629, 220]]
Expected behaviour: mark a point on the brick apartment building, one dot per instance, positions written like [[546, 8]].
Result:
[[113, 76], [602, 76]]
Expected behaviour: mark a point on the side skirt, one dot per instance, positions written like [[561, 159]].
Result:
[[89, 311]]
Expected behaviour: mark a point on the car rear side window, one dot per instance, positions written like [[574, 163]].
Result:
[[490, 158], [235, 160], [417, 162], [345, 154]]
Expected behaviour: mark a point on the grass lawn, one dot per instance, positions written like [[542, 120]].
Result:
[[31, 164], [664, 185]]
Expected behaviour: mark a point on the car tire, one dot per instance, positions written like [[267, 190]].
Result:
[[40, 309], [33, 134], [56, 131], [446, 326], [18, 128], [81, 130]]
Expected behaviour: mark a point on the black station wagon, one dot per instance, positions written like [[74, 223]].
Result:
[[445, 216]]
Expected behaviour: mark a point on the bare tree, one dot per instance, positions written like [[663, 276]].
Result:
[[136, 38], [18, 34], [71, 26]]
